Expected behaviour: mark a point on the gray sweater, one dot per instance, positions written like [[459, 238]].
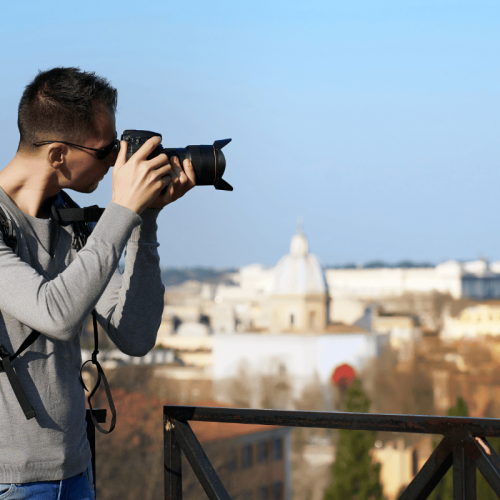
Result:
[[47, 286]]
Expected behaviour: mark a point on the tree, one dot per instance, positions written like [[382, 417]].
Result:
[[355, 477], [393, 390]]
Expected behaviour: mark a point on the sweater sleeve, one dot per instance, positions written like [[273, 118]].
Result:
[[131, 307], [58, 307]]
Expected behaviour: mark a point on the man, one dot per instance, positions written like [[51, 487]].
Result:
[[68, 141]]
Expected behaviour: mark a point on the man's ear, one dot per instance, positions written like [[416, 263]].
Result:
[[56, 155]]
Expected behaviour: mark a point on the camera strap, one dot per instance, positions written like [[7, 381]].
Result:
[[87, 214], [100, 376]]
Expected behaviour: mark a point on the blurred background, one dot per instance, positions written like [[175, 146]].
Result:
[[358, 255]]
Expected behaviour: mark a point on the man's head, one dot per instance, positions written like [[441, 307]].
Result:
[[68, 114], [61, 104]]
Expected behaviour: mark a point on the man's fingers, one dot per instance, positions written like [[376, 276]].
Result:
[[164, 170], [166, 181], [189, 170], [179, 182], [147, 148], [176, 164], [158, 161]]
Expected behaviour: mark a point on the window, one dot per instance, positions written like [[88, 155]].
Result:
[[262, 451], [414, 462], [312, 319], [232, 463], [278, 449], [263, 493], [247, 457], [278, 490]]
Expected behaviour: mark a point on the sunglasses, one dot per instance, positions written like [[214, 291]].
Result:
[[100, 153]]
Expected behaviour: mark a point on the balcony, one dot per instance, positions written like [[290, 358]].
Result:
[[464, 446]]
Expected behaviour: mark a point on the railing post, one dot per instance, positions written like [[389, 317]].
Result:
[[458, 471], [470, 478], [172, 461], [486, 460]]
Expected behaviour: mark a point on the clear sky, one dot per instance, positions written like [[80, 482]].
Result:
[[377, 122]]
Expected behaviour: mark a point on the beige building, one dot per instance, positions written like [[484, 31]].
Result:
[[472, 322], [400, 463], [404, 333]]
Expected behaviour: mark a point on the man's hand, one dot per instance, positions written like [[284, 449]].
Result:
[[183, 179], [138, 181]]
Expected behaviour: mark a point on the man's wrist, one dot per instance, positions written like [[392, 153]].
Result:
[[148, 227]]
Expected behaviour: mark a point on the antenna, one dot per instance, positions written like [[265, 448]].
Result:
[[300, 225]]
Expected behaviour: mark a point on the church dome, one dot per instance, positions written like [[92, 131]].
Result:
[[299, 272]]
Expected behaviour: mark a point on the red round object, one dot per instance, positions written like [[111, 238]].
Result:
[[343, 375]]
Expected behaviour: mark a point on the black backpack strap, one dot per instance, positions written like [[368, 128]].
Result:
[[6, 365], [9, 238], [9, 235], [30, 339], [16, 385]]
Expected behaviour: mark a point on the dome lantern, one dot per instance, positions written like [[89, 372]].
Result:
[[299, 272]]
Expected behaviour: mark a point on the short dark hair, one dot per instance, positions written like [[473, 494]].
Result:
[[59, 104]]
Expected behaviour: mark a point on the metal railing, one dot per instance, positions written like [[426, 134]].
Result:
[[464, 446]]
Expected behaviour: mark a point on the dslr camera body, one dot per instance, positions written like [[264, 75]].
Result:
[[208, 162]]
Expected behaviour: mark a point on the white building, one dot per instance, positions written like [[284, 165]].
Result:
[[299, 359], [451, 277], [349, 290]]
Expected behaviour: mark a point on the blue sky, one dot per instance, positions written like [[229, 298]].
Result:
[[377, 122]]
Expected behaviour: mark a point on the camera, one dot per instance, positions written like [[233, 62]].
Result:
[[208, 162]]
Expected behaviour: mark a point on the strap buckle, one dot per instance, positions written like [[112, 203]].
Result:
[[92, 214], [3, 352]]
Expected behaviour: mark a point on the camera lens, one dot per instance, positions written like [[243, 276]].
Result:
[[209, 162]]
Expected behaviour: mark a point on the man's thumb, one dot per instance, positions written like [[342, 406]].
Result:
[[122, 154]]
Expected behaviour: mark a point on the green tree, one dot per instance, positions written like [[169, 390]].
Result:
[[354, 475], [444, 489]]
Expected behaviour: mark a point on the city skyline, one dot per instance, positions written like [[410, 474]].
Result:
[[376, 123]]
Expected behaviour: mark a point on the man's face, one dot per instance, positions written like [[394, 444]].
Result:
[[84, 170]]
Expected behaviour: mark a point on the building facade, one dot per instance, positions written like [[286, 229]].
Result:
[[278, 370], [477, 321], [252, 461]]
